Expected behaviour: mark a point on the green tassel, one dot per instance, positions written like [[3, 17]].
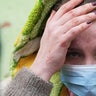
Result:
[[57, 84], [31, 22], [48, 6], [36, 22]]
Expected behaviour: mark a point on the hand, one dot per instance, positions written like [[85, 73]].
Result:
[[62, 27]]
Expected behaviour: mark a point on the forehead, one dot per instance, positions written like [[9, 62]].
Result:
[[85, 38]]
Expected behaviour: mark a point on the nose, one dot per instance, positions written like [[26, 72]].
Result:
[[90, 60]]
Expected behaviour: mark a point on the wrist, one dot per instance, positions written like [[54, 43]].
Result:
[[41, 72]]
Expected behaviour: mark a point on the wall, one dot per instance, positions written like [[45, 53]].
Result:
[[13, 15]]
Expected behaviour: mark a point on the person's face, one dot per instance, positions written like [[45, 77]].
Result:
[[83, 49]]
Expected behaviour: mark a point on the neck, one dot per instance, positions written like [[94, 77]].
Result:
[[71, 94]]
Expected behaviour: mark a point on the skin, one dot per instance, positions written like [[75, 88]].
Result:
[[66, 29], [83, 48]]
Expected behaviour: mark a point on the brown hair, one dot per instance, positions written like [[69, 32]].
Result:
[[61, 2]]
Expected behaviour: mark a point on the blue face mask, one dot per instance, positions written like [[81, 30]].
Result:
[[80, 79]]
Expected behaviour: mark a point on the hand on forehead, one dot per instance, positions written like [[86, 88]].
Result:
[[88, 35]]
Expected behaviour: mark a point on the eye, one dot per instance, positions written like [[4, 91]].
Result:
[[73, 55]]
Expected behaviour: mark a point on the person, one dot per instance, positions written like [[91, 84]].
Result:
[[70, 36]]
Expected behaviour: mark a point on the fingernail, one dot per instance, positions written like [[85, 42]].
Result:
[[94, 3], [89, 22]]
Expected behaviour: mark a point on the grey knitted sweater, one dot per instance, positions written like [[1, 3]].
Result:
[[27, 83]]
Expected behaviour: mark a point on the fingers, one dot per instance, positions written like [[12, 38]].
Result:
[[84, 9], [66, 7], [73, 22], [52, 14], [71, 34], [78, 20]]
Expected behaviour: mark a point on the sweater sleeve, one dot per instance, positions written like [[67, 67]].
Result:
[[27, 83]]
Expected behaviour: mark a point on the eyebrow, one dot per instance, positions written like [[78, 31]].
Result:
[[75, 49]]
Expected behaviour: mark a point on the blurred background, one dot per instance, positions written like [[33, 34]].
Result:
[[13, 15]]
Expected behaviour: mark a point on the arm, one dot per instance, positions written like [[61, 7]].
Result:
[[27, 83]]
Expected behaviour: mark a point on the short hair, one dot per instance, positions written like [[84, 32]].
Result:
[[61, 2]]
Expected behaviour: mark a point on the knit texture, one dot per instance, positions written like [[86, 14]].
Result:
[[27, 83]]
